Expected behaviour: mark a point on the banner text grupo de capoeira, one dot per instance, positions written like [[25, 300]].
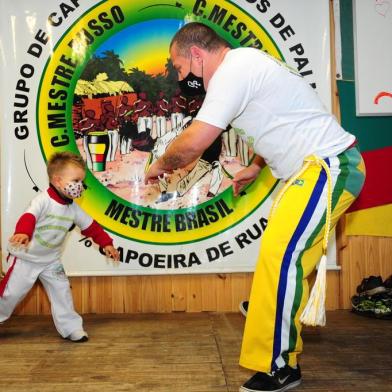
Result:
[[95, 78]]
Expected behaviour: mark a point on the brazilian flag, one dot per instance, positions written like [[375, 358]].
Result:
[[371, 213]]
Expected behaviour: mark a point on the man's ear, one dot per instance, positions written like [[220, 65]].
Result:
[[197, 53]]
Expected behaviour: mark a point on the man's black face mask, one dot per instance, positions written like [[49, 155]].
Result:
[[192, 85]]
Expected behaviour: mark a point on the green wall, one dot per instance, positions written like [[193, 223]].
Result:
[[372, 132]]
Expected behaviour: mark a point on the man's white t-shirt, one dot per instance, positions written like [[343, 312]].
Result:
[[273, 109]]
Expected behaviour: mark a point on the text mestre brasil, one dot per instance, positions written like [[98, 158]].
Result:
[[166, 222]]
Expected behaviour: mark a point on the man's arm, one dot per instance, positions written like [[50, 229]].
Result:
[[248, 174], [186, 148]]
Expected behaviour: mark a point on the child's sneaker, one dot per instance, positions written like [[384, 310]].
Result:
[[371, 285], [282, 380], [244, 307], [78, 336]]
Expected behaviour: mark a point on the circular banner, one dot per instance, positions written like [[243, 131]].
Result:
[[109, 93]]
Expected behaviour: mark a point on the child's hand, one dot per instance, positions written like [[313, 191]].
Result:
[[19, 240], [112, 252]]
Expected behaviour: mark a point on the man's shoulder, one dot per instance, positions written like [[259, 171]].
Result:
[[243, 60], [245, 53]]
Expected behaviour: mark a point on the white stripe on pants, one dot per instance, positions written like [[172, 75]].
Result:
[[56, 284]]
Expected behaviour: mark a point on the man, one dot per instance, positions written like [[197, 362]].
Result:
[[281, 118]]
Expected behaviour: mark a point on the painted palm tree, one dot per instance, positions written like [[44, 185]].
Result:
[[113, 65], [109, 63]]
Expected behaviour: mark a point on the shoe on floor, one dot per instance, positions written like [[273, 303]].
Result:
[[371, 285], [376, 306], [382, 305], [388, 284], [281, 380], [244, 307], [78, 336]]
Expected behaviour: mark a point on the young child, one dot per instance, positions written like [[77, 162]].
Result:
[[35, 247]]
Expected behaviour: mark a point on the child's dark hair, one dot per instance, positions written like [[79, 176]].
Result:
[[59, 160]]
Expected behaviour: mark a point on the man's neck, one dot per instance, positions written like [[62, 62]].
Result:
[[214, 62]]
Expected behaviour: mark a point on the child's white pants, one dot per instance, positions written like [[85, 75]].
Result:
[[22, 278]]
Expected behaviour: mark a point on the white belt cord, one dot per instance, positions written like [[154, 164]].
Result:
[[314, 312]]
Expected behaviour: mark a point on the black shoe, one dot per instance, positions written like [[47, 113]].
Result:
[[371, 285], [244, 307], [388, 284], [282, 380], [376, 306]]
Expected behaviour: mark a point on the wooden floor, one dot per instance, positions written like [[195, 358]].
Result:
[[189, 352]]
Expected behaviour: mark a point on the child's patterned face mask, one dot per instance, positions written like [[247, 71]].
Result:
[[74, 189]]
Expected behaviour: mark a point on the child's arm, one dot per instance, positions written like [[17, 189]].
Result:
[[90, 228], [112, 252], [24, 230], [25, 226], [19, 240], [101, 238]]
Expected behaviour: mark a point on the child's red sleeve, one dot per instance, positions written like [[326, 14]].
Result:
[[26, 225], [98, 235]]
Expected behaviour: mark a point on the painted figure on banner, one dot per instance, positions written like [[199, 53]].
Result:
[[161, 114], [143, 110], [194, 104], [207, 163], [178, 109], [77, 116], [230, 142], [160, 146], [110, 124], [126, 125]]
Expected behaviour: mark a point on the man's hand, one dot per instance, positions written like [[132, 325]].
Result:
[[19, 240], [153, 172], [112, 252], [244, 177], [183, 150]]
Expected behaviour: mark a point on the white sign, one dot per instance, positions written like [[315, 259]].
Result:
[[373, 57], [70, 66]]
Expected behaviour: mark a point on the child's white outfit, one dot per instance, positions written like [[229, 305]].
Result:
[[47, 221]]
